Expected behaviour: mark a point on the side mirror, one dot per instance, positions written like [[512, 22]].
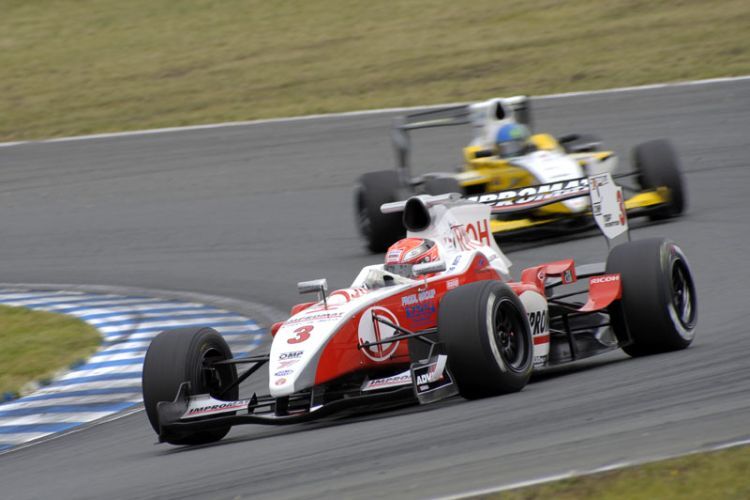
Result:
[[315, 286], [437, 266]]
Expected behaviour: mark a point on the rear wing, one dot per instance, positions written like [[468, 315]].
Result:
[[607, 202], [485, 117], [513, 201]]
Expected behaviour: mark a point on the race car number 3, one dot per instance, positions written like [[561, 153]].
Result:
[[301, 334]]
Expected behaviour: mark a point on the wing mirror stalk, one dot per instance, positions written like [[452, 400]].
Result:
[[315, 286]]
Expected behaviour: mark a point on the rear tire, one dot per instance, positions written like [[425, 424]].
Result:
[[177, 356], [378, 229], [486, 334], [658, 297], [658, 165]]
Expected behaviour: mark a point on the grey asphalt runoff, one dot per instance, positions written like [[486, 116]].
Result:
[[246, 212]]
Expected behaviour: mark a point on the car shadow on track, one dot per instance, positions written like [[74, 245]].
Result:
[[583, 365], [406, 408]]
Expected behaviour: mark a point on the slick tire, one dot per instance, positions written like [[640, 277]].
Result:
[[177, 356], [657, 165], [378, 229], [487, 338], [441, 185], [659, 306]]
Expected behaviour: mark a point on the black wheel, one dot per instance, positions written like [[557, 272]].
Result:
[[488, 341], [441, 185], [579, 143], [658, 165], [182, 355], [375, 188], [659, 304]]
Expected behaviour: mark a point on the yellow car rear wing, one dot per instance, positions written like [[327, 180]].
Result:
[[478, 115]]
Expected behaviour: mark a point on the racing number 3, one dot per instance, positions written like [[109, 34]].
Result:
[[302, 333]]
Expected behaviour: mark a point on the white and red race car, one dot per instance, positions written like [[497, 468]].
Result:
[[446, 320]]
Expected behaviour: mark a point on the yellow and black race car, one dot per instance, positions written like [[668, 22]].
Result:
[[533, 181]]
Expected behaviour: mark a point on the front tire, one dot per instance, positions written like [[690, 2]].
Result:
[[658, 165], [659, 303], [378, 229], [181, 355], [486, 334]]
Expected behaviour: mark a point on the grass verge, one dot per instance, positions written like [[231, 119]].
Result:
[[36, 345], [721, 474], [102, 65]]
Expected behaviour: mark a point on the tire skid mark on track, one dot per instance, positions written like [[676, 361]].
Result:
[[109, 382]]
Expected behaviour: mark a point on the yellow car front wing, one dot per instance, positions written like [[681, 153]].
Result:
[[644, 199]]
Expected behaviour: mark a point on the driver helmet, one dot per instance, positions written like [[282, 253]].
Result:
[[403, 254], [511, 140]]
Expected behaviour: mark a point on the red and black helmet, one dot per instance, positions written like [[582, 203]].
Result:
[[403, 254]]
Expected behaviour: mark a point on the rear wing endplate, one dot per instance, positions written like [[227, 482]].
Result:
[[607, 202]]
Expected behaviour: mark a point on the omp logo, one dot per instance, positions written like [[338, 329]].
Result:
[[291, 355], [605, 279], [532, 194]]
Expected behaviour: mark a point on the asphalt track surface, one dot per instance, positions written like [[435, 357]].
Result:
[[246, 212]]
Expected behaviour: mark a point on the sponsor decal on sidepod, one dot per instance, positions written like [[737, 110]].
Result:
[[605, 279]]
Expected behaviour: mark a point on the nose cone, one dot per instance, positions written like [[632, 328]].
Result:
[[296, 349], [299, 341]]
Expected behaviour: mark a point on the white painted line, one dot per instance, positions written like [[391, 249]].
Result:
[[31, 441], [588, 472], [653, 86], [208, 126]]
